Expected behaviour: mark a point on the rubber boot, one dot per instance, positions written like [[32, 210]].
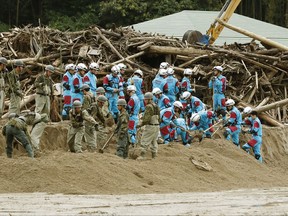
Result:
[[154, 155], [29, 151]]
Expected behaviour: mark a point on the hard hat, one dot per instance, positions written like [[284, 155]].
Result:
[[186, 95], [138, 71], [77, 103], [81, 66], [94, 66], [162, 72], [86, 87], [164, 65], [3, 60], [22, 118], [156, 91], [102, 98], [122, 102], [37, 118], [148, 95], [100, 90], [49, 68], [247, 110], [178, 104], [170, 71], [195, 117], [122, 66], [218, 68], [115, 69], [230, 102], [12, 115], [69, 67], [188, 71], [19, 63], [131, 88]]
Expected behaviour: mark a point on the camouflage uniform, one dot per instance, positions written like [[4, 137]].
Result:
[[13, 89], [151, 120], [122, 132], [2, 90], [88, 99], [17, 128], [44, 90], [77, 129], [37, 131]]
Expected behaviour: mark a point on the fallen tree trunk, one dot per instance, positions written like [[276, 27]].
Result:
[[272, 106], [175, 50]]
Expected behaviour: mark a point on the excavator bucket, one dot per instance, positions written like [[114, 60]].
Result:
[[194, 36]]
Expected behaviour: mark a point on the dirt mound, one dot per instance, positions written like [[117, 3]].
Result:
[[59, 171]]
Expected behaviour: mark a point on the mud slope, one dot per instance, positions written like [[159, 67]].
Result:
[[58, 171]]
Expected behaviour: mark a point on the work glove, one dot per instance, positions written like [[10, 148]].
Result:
[[66, 86]]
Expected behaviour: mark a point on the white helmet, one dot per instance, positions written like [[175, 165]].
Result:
[[81, 66], [115, 69], [178, 104], [247, 110], [122, 66], [69, 67], [186, 95], [170, 71], [156, 91], [138, 71], [94, 66], [188, 71], [164, 65], [218, 68], [195, 117], [131, 88], [162, 72], [230, 102]]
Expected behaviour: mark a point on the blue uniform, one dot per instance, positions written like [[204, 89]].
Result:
[[256, 141], [68, 89], [185, 85], [121, 92], [139, 84], [110, 83], [91, 80], [234, 126], [163, 102], [173, 88], [204, 123], [77, 84], [194, 106], [160, 82], [133, 107], [166, 116], [184, 135], [218, 84]]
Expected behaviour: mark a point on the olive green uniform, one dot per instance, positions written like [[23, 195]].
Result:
[[150, 121], [44, 87], [122, 132], [37, 131], [2, 90], [88, 99], [77, 129], [17, 128]]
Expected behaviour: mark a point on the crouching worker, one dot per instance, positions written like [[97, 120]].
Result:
[[16, 128], [122, 129], [77, 129], [256, 141], [151, 120]]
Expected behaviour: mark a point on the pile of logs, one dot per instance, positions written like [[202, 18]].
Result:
[[257, 76]]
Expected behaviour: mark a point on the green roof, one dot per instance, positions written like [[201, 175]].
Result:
[[178, 23]]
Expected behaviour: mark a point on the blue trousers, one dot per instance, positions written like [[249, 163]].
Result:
[[132, 131], [142, 105], [218, 102], [255, 143], [113, 99], [233, 132]]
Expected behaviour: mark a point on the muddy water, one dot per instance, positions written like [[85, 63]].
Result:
[[237, 202]]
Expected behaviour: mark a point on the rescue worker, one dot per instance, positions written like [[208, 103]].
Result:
[[137, 81], [160, 99], [90, 77], [113, 86], [122, 68], [88, 97], [150, 121], [173, 85], [256, 141], [166, 116], [233, 124], [164, 65], [218, 85], [247, 121], [202, 121], [3, 72], [14, 87], [77, 129], [44, 91], [105, 107], [185, 84], [122, 130], [68, 90], [78, 82], [160, 81], [17, 128], [133, 108]]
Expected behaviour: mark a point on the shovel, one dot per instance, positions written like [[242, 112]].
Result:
[[102, 149]]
